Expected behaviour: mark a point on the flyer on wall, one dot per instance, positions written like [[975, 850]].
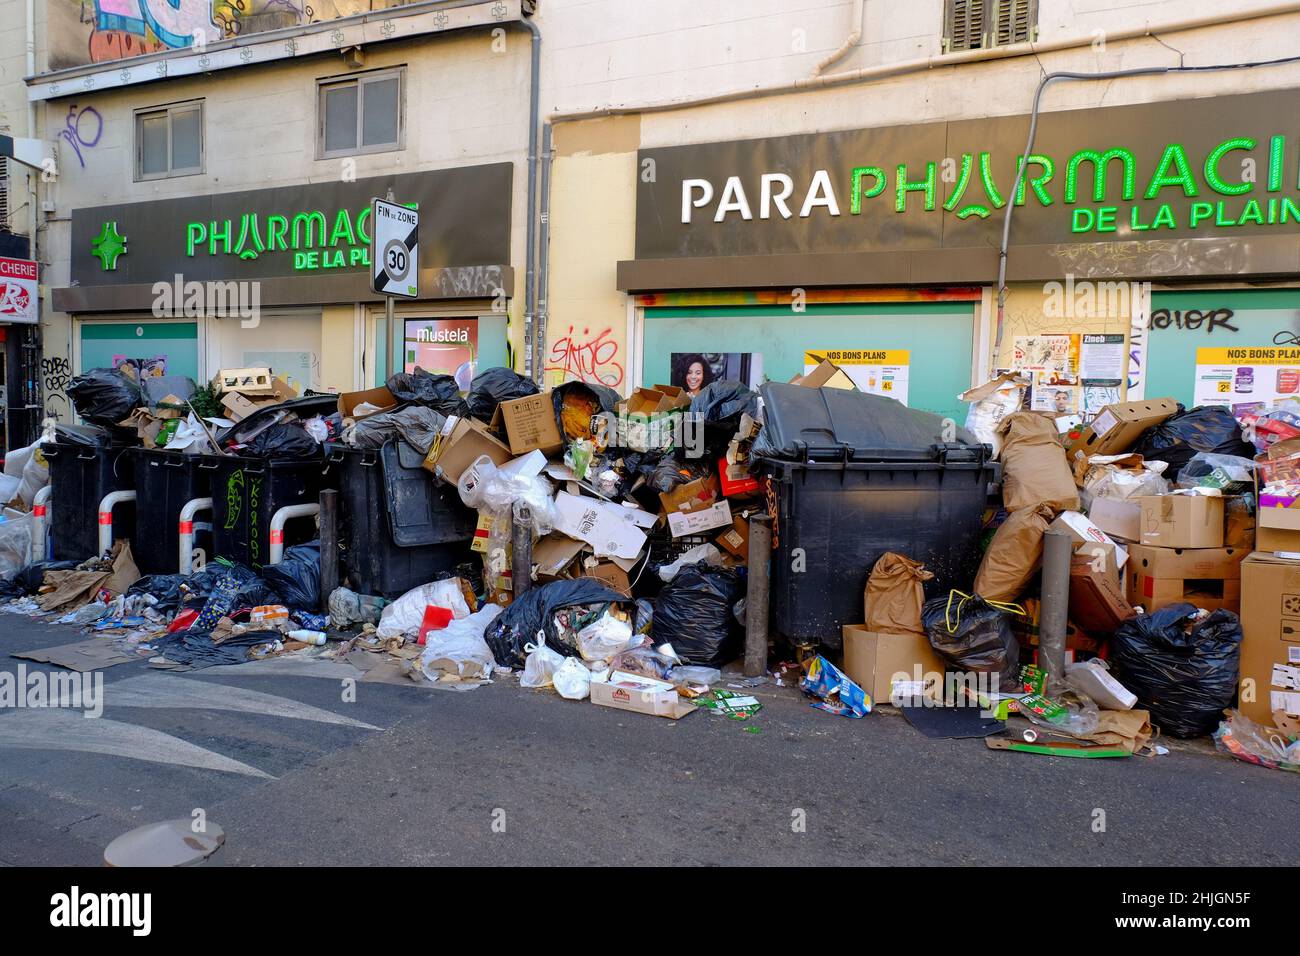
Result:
[[1246, 376], [881, 372]]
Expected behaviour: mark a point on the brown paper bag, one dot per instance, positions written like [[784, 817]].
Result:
[[1130, 729], [894, 595], [1035, 470], [1013, 555]]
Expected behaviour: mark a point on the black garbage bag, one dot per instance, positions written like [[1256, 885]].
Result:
[[535, 611], [1185, 673], [577, 404], [719, 406], [196, 649], [667, 472], [175, 592], [439, 392], [91, 436], [693, 614], [285, 440], [493, 386], [104, 396], [1210, 428], [972, 635], [29, 578], [157, 388], [297, 577]]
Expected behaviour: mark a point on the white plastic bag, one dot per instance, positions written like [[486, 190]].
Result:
[[15, 543], [540, 665], [604, 637], [404, 616], [572, 679], [701, 552], [35, 472], [462, 642]]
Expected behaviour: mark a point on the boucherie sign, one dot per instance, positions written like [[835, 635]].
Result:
[[18, 290], [1222, 167]]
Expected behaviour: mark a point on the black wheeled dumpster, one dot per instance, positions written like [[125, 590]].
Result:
[[398, 527], [165, 481], [856, 475], [246, 494], [80, 476]]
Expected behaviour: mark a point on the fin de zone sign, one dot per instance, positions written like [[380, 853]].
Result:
[[394, 252]]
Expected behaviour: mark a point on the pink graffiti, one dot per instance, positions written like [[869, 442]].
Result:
[[592, 360]]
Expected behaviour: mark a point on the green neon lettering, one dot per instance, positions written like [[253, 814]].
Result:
[[904, 187], [310, 219], [963, 179], [215, 235], [1100, 162], [361, 226], [247, 226], [343, 229], [1200, 210], [1212, 177], [1252, 213], [277, 227], [1276, 159], [1164, 218], [1176, 155], [856, 194], [1290, 211], [1036, 182], [195, 235]]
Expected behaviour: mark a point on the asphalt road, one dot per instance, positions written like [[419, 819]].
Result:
[[503, 775]]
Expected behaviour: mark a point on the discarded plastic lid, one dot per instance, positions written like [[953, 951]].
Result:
[[170, 843]]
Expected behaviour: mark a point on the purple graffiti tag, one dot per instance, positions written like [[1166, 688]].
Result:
[[74, 131]]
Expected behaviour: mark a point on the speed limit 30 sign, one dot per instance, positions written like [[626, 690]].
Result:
[[394, 249]]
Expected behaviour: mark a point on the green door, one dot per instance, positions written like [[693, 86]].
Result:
[[936, 339], [104, 344]]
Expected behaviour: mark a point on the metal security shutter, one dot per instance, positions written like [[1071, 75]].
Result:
[[1015, 21], [964, 25], [4, 194]]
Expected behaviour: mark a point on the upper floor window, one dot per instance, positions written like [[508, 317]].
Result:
[[169, 141], [978, 24], [360, 114]]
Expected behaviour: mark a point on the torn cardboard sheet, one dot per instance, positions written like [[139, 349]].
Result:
[[90, 655], [610, 529]]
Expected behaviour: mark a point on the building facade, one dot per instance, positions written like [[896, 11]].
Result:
[[738, 189]]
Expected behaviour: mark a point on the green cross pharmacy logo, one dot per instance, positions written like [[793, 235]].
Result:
[[108, 245]]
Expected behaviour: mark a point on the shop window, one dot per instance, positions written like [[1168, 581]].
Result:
[[169, 141], [979, 24], [361, 114]]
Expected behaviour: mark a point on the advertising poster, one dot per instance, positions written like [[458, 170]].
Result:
[[1102, 357], [876, 371], [1054, 354], [692, 371], [1246, 376], [443, 347], [18, 293]]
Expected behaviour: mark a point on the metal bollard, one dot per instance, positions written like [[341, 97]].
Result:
[[757, 595]]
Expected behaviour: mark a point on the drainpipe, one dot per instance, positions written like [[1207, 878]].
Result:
[[543, 257], [530, 266], [849, 43]]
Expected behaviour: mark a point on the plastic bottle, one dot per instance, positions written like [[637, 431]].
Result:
[[308, 637]]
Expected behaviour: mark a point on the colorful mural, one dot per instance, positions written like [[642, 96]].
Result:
[[95, 31]]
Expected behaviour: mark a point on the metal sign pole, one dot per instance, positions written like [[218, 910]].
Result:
[[390, 327]]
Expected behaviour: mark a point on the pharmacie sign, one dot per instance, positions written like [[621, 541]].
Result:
[[304, 231], [1225, 167]]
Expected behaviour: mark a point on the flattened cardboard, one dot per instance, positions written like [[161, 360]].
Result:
[[694, 522], [1182, 521], [462, 442], [82, 656], [1097, 602], [554, 556], [640, 699], [826, 375], [607, 527], [1117, 427], [529, 424], [380, 397], [736, 538]]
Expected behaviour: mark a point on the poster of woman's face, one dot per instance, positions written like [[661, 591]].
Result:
[[694, 371]]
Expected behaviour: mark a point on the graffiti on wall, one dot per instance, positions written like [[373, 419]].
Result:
[[82, 129], [56, 373], [586, 357], [95, 31]]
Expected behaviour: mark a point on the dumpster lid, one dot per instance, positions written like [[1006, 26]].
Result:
[[413, 496], [835, 424]]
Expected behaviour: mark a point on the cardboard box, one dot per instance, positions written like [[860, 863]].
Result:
[[554, 556], [610, 529], [650, 418], [694, 495], [529, 424], [239, 405], [736, 538], [462, 442], [871, 660], [742, 484], [380, 397], [1097, 602], [1270, 622], [1087, 536], [1117, 427], [1206, 577], [640, 698], [696, 522], [1239, 522], [610, 572], [256, 380], [1182, 521], [826, 375], [1026, 628], [1120, 518]]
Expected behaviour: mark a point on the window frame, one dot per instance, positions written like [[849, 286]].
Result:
[[359, 81], [169, 110], [990, 15]]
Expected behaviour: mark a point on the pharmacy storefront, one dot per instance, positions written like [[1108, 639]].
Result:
[[879, 248], [280, 278]]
